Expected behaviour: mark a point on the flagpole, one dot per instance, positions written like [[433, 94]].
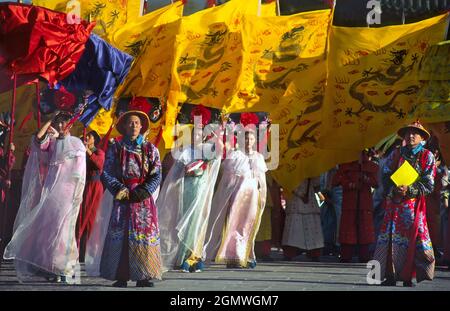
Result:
[[278, 8], [259, 8]]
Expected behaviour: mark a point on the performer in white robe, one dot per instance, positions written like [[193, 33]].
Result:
[[237, 208], [43, 241]]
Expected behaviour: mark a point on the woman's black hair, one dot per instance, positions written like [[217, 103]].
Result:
[[97, 137]]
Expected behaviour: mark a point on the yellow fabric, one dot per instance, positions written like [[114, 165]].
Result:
[[269, 9], [150, 39], [102, 121], [434, 97], [265, 228], [192, 260], [278, 50], [372, 84], [298, 109], [405, 175], [110, 15], [56, 5], [208, 54]]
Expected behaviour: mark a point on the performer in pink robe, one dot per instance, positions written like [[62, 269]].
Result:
[[44, 241]]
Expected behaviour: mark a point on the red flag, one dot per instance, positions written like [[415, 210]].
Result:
[[37, 42]]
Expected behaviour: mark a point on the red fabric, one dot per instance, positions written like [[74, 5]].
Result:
[[104, 142], [140, 104], [64, 100], [38, 42], [92, 195], [200, 110], [249, 118], [408, 268], [357, 217], [314, 253]]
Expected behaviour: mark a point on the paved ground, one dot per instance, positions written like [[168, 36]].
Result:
[[299, 275]]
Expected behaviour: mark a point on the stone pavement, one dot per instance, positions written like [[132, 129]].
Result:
[[299, 275]]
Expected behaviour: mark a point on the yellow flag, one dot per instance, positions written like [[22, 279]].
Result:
[[110, 15], [434, 97], [209, 54], [150, 39], [278, 50], [56, 5], [298, 113], [269, 9], [372, 84], [102, 121], [208, 58]]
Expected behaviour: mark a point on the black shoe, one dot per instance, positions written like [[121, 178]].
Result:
[[389, 282], [144, 283], [120, 284], [408, 284]]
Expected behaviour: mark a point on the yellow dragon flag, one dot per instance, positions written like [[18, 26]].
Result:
[[434, 97], [208, 59], [102, 121], [278, 50], [298, 111], [150, 39], [209, 54], [373, 84], [110, 15]]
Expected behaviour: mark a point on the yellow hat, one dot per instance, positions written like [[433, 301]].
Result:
[[145, 121], [401, 132]]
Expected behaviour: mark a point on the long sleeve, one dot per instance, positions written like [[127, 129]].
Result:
[[386, 172], [425, 185], [98, 159], [43, 144], [109, 177], [153, 178]]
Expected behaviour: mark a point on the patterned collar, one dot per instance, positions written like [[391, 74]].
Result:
[[137, 142]]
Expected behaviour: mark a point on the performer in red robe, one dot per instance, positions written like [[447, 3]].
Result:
[[404, 246], [356, 227], [93, 192]]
